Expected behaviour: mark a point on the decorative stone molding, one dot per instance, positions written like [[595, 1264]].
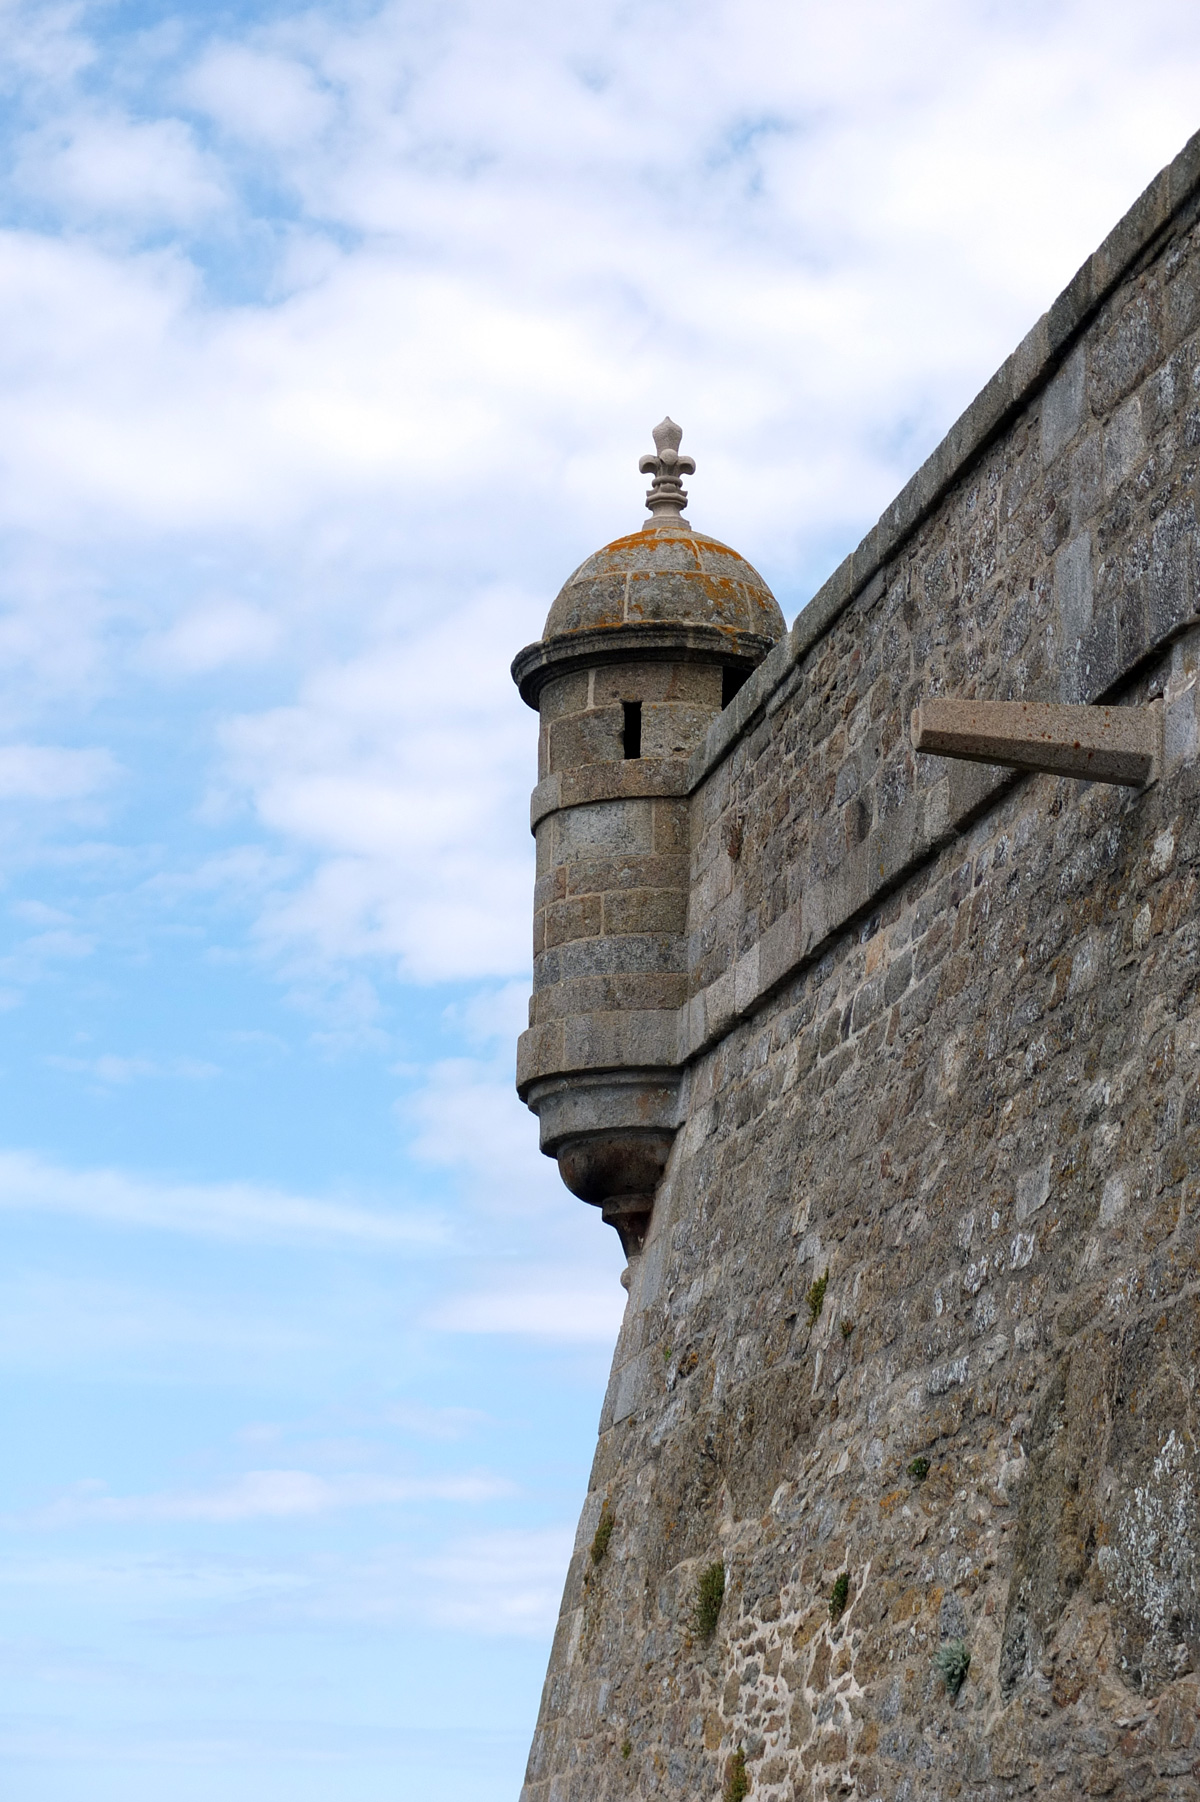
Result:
[[595, 647], [644, 777]]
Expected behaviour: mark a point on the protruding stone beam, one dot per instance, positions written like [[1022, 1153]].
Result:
[[1097, 744]]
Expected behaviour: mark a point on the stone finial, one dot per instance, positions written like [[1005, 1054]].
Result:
[[666, 497]]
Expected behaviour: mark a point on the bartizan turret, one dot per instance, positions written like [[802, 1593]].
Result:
[[646, 643]]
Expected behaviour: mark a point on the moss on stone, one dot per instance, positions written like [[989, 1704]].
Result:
[[603, 1533], [737, 1783], [710, 1593], [952, 1662]]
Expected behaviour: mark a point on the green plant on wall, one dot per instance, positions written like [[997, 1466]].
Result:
[[603, 1533], [710, 1593], [952, 1662], [918, 1470], [737, 1784], [816, 1298], [839, 1595]]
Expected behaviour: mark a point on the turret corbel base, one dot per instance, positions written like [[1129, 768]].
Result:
[[611, 1133]]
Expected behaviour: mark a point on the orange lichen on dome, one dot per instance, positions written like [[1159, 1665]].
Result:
[[666, 576]]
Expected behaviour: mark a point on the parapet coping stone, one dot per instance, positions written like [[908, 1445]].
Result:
[[1013, 386]]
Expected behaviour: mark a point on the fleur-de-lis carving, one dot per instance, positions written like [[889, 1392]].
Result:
[[666, 497]]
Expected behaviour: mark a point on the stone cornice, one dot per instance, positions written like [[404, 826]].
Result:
[[637, 778], [542, 661], [629, 1040]]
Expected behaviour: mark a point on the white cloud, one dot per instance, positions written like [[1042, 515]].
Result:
[[51, 773], [494, 1015], [145, 1580], [403, 774], [506, 1583], [149, 171], [500, 1584], [50, 1321], [561, 1306], [268, 1495], [264, 98], [768, 255], [434, 1423], [115, 1071], [235, 1211], [43, 951], [468, 1115], [43, 44], [215, 635], [465, 1116]]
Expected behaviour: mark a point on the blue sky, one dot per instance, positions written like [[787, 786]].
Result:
[[329, 340]]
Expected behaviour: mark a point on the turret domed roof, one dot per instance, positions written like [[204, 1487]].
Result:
[[665, 593], [666, 574]]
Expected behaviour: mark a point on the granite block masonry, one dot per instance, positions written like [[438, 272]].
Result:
[[886, 1067]]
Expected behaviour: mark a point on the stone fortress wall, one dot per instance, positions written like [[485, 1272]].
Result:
[[919, 1299]]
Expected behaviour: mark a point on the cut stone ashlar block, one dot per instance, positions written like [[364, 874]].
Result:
[[1096, 744]]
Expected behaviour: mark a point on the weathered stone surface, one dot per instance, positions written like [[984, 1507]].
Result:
[[671, 574], [920, 1300], [1095, 744]]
